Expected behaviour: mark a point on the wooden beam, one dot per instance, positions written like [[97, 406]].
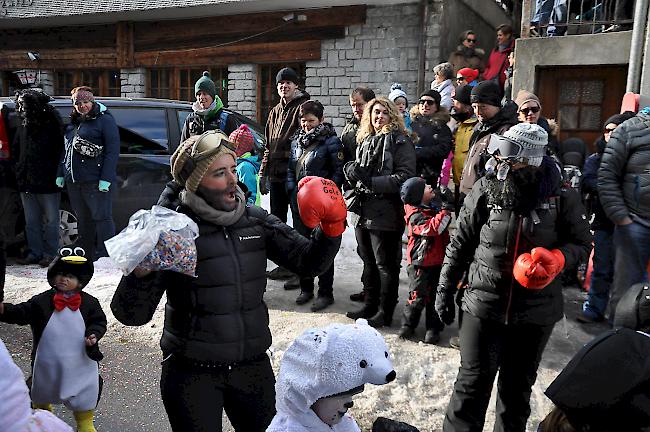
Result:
[[37, 39], [124, 44], [70, 58], [159, 33], [304, 50]]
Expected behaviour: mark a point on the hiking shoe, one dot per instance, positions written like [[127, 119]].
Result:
[[28, 260], [358, 297], [292, 284], [454, 342], [432, 337], [321, 303], [304, 297], [589, 318], [406, 332], [45, 261], [279, 273], [365, 312]]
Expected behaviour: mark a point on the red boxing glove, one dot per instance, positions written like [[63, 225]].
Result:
[[320, 202], [537, 269]]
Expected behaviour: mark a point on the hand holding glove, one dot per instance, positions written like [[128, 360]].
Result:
[[445, 305], [355, 173], [104, 185], [60, 181], [537, 269], [320, 202]]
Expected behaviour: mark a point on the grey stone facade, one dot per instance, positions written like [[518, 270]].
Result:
[[46, 81], [242, 89], [382, 51], [133, 82]]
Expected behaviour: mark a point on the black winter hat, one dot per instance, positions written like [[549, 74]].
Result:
[[617, 119], [434, 94], [71, 261], [633, 309], [286, 74], [412, 190], [463, 94], [487, 92]]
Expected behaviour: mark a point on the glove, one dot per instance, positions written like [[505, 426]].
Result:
[[320, 202], [264, 185], [447, 197], [383, 424], [104, 185], [354, 173], [60, 181], [537, 269], [445, 305], [169, 196]]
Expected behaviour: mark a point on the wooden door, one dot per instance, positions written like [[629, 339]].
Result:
[[580, 99]]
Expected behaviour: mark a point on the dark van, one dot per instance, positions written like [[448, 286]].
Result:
[[150, 131]]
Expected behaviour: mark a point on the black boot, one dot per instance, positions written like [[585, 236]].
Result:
[[366, 311], [304, 297], [432, 337], [433, 324], [410, 319], [383, 317]]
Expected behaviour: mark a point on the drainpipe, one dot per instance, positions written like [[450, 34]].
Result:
[[424, 13], [636, 47]]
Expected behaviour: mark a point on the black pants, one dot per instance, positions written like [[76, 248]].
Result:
[[5, 195], [381, 253], [423, 282], [325, 280], [94, 212], [195, 397], [279, 199], [486, 347]]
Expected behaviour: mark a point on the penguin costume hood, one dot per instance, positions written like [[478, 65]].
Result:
[[74, 262], [327, 366]]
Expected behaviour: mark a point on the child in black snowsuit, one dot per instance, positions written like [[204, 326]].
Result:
[[67, 323], [428, 214]]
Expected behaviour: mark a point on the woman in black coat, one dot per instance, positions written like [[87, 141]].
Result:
[[516, 231]]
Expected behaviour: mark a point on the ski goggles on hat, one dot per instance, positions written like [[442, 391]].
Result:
[[218, 138], [505, 148]]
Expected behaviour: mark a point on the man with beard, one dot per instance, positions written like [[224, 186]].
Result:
[[515, 233], [492, 119], [216, 329]]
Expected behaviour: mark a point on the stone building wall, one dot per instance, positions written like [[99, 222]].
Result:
[[242, 89], [133, 82]]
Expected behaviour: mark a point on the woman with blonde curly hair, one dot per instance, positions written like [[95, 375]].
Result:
[[385, 158]]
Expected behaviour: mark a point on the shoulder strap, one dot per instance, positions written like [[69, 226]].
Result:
[[223, 118]]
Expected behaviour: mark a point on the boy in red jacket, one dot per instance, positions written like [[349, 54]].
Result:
[[428, 214]]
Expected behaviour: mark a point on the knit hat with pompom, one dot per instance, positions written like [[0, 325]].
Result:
[[243, 140]]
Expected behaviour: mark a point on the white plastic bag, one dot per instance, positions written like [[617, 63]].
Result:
[[156, 239]]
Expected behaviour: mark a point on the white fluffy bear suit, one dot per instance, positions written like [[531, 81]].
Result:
[[324, 362]]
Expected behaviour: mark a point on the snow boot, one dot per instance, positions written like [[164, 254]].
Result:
[[406, 332], [321, 303], [410, 318], [292, 284], [366, 311], [432, 337], [279, 273], [358, 297], [383, 317], [84, 421], [304, 297]]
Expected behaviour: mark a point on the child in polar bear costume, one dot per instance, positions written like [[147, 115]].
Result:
[[321, 371]]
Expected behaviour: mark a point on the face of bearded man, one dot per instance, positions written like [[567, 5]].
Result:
[[519, 191], [218, 186]]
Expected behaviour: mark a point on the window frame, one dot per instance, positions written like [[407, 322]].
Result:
[[101, 87], [177, 90]]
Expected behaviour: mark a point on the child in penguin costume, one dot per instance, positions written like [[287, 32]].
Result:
[[66, 323]]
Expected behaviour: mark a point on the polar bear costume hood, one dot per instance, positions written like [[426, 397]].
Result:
[[324, 362]]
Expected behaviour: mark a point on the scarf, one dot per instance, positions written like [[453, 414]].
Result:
[[305, 139], [208, 213]]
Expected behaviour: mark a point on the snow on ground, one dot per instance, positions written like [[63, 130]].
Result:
[[425, 374]]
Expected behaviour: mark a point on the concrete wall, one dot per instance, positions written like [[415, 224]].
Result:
[[575, 50], [133, 82], [461, 15], [242, 89], [382, 51]]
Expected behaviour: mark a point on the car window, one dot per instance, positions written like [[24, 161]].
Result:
[[142, 130], [182, 115]]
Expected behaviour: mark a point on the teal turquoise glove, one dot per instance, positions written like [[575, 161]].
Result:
[[60, 181], [104, 185]]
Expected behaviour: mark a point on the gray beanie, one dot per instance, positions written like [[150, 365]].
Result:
[[412, 190], [532, 139]]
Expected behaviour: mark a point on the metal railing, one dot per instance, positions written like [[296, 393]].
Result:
[[564, 17]]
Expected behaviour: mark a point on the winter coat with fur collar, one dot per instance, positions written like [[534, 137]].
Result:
[[433, 144]]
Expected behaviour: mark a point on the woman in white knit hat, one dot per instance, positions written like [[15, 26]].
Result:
[[515, 233]]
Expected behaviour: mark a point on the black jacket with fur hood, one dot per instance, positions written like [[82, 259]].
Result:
[[433, 144], [489, 237]]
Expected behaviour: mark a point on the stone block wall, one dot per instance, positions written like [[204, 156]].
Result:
[[376, 54], [47, 81], [242, 89], [133, 82]]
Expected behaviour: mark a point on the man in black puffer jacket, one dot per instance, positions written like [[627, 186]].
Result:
[[216, 329], [624, 191], [513, 298]]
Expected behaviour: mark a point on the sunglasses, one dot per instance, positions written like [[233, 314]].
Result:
[[609, 131], [471, 40], [426, 102], [527, 111], [459, 79]]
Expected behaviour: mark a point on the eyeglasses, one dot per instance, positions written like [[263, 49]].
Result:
[[426, 102], [460, 78], [470, 40], [608, 130], [527, 111]]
